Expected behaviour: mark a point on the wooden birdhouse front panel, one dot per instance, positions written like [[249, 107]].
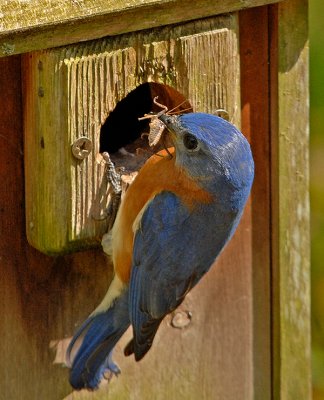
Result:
[[243, 332], [97, 90], [68, 94]]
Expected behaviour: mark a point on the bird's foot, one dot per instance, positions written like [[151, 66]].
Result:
[[114, 179], [111, 368]]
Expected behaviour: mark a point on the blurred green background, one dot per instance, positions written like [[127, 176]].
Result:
[[316, 25]]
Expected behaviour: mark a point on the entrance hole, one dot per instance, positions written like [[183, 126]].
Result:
[[121, 135]]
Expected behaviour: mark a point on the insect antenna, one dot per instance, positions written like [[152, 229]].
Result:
[[177, 106], [179, 112]]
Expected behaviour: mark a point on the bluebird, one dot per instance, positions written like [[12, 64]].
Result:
[[173, 222]]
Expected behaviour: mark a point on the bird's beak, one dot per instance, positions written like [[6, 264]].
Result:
[[171, 122]]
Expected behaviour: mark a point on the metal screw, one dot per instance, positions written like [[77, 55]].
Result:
[[81, 148], [181, 319]]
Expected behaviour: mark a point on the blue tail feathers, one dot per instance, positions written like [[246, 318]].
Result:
[[98, 336]]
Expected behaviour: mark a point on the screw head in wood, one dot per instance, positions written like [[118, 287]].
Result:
[[81, 148], [181, 319]]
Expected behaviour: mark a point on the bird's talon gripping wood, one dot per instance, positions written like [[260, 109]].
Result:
[[114, 178]]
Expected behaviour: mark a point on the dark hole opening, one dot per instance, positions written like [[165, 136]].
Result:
[[121, 133]]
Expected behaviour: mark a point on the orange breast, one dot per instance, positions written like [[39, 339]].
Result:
[[157, 175]]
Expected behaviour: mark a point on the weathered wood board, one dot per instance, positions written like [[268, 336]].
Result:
[[290, 201], [249, 335], [213, 356], [69, 92], [255, 94], [27, 26]]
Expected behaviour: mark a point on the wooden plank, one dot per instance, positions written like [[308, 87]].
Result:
[[60, 214], [11, 247], [70, 91], [34, 25], [290, 204], [254, 49], [212, 356], [44, 298], [38, 294]]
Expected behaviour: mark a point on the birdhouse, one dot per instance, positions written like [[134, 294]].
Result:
[[92, 94], [76, 76]]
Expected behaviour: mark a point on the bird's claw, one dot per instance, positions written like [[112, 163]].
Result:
[[111, 369], [114, 178]]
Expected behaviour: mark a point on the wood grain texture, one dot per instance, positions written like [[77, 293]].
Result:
[[70, 91], [290, 204], [45, 298], [255, 94], [37, 24], [212, 357], [38, 294]]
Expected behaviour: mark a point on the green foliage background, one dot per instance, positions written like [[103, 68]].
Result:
[[316, 25]]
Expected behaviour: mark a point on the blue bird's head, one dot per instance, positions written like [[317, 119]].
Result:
[[213, 152]]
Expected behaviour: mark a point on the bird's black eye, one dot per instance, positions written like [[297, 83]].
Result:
[[190, 142]]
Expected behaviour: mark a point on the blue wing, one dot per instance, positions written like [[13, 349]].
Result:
[[168, 260]]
